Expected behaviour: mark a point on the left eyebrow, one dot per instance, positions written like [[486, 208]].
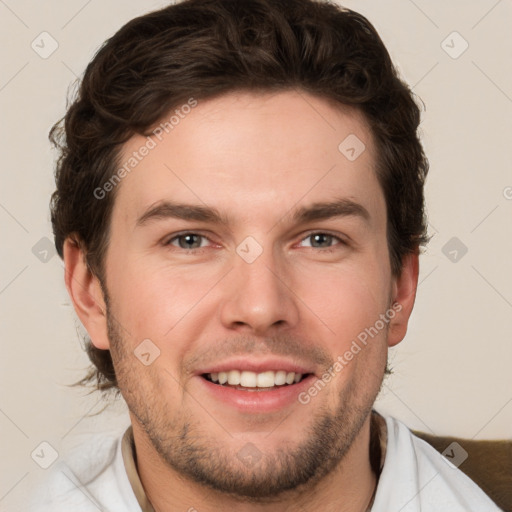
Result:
[[328, 210]]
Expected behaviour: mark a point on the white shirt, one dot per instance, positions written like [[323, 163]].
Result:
[[415, 478]]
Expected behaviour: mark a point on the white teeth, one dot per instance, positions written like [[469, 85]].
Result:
[[266, 379], [280, 378], [248, 379], [234, 377]]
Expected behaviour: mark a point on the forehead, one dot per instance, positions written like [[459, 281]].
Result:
[[250, 155]]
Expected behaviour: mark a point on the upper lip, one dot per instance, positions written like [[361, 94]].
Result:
[[256, 366]]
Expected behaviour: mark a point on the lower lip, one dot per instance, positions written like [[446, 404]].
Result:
[[267, 400]]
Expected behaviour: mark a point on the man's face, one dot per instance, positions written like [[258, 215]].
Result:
[[270, 290]]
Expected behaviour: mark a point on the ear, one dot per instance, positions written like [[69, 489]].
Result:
[[85, 291], [403, 297]]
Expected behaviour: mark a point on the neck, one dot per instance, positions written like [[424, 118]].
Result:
[[348, 488]]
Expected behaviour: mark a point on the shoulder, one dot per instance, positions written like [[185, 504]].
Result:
[[91, 477], [416, 477]]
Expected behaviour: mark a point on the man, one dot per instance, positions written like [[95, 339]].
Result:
[[239, 206]]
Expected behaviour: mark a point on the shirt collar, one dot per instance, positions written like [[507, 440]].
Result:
[[130, 464]]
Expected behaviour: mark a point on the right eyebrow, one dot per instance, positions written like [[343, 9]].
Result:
[[169, 209]]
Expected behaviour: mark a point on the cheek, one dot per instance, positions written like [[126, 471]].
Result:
[[350, 301], [347, 299], [155, 300]]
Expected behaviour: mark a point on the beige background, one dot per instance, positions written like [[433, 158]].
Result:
[[452, 372]]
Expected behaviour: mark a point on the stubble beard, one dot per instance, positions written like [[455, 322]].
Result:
[[185, 445]]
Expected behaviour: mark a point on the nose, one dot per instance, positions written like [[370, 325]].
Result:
[[258, 298]]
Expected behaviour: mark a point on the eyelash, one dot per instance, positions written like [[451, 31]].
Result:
[[309, 235]]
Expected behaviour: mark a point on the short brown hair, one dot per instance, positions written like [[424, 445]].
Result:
[[205, 48]]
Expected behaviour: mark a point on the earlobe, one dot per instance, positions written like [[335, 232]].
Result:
[[404, 295], [85, 291]]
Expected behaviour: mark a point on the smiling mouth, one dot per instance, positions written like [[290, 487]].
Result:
[[251, 381]]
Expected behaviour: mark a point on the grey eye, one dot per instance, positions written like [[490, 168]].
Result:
[[189, 241], [321, 240]]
